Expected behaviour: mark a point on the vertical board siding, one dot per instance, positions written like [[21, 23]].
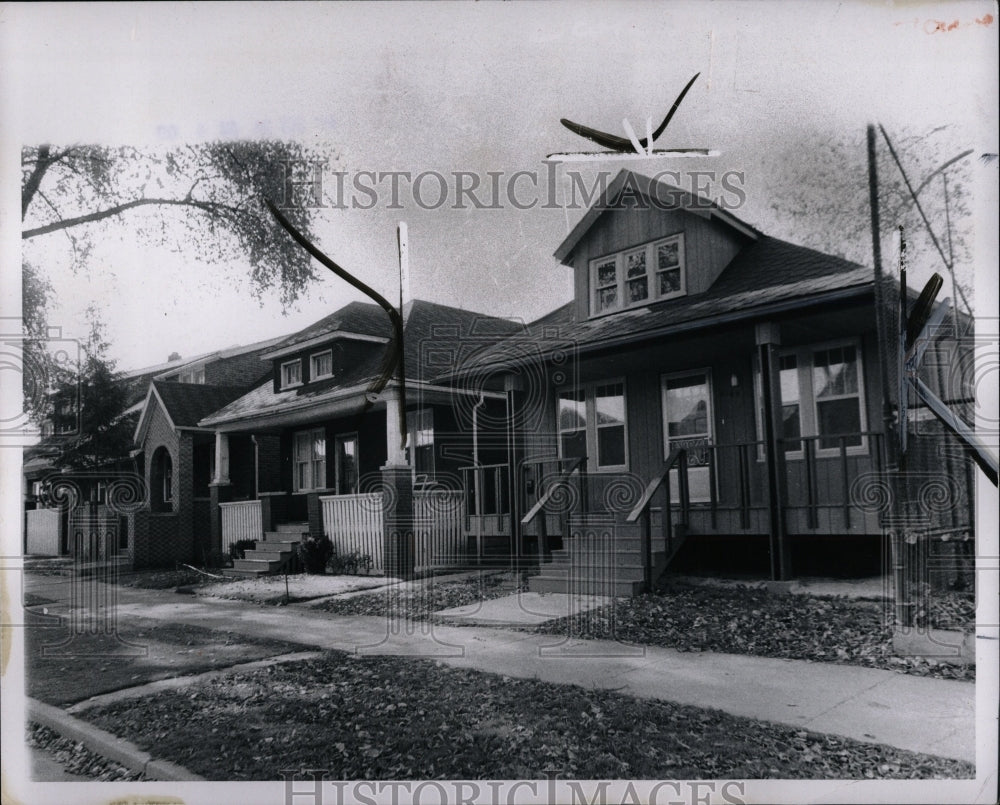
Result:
[[438, 535], [354, 524], [240, 520], [42, 531]]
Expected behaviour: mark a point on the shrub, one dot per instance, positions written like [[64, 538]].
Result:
[[314, 552], [239, 548], [349, 563]]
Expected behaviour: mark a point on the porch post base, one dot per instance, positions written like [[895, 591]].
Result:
[[397, 519], [219, 493]]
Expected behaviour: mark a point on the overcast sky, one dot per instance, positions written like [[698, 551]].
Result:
[[453, 87]]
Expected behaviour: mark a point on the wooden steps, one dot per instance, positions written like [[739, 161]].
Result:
[[270, 554]]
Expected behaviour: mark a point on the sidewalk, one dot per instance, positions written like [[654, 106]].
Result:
[[919, 714]]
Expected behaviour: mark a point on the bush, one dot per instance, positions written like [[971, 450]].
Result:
[[349, 564], [314, 553], [239, 548]]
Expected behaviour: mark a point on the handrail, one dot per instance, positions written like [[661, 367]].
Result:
[[674, 459], [575, 464], [677, 459]]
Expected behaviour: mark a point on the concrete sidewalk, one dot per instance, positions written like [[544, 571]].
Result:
[[909, 712]]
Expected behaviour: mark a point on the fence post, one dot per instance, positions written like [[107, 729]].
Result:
[[397, 520]]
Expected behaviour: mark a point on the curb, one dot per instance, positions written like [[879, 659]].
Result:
[[107, 745]]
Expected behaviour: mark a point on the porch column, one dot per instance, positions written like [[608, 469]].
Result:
[[768, 339], [394, 426], [219, 493], [397, 521], [221, 458]]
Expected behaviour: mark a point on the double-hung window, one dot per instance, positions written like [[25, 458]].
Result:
[[638, 276], [346, 447], [591, 422], [291, 374], [321, 365], [822, 397], [309, 460], [420, 441]]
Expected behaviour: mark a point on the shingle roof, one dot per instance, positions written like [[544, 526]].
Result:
[[765, 271], [187, 403], [427, 326]]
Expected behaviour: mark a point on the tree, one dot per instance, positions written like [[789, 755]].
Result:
[[823, 199], [208, 200], [88, 408]]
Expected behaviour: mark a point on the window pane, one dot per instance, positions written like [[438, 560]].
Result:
[[319, 473], [607, 298], [687, 406], [611, 446], [322, 364], [788, 378], [835, 372], [668, 255], [839, 417], [791, 428], [607, 273], [670, 281], [638, 290], [635, 264], [301, 446], [318, 445], [610, 404], [574, 443], [572, 410]]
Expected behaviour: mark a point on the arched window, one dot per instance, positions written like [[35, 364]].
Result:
[[162, 481]]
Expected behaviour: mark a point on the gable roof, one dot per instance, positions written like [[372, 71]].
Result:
[[659, 194], [424, 324], [354, 319], [183, 403], [767, 275]]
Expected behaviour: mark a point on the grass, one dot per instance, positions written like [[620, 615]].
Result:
[[390, 718], [742, 620]]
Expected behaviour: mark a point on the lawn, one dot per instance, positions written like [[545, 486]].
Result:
[[741, 620], [387, 718]]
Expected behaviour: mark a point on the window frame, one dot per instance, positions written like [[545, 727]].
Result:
[[652, 275], [283, 385], [805, 357], [589, 390], [311, 462], [313, 374], [337, 469], [704, 371]]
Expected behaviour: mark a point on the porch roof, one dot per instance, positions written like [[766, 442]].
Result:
[[766, 273]]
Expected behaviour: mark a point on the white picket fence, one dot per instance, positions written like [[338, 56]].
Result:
[[240, 520], [354, 524]]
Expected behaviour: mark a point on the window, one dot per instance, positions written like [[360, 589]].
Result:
[[161, 482], [591, 422], [309, 460], [321, 365], [193, 376], [638, 276], [821, 397], [420, 441], [346, 466], [291, 374], [687, 416]]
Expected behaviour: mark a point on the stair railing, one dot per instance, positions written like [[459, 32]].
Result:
[[576, 465], [676, 460]]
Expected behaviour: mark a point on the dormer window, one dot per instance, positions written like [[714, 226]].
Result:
[[291, 374], [638, 276], [193, 376], [321, 365]]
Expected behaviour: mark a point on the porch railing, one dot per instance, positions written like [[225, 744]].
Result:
[[240, 520], [354, 525], [567, 468], [677, 460]]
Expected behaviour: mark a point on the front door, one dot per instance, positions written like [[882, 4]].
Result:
[[687, 422]]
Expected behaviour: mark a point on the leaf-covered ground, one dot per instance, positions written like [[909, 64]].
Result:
[[392, 718], [77, 759], [741, 620], [421, 601]]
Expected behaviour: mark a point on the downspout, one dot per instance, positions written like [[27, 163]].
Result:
[[476, 480], [256, 467]]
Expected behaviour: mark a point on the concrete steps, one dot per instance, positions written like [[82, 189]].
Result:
[[269, 554], [603, 557]]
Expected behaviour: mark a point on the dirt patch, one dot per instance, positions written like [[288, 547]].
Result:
[[301, 587], [68, 662], [391, 718], [77, 759]]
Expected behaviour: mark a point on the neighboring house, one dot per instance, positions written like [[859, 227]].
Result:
[[303, 452], [692, 336]]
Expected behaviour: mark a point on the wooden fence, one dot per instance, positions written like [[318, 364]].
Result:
[[240, 520], [354, 524]]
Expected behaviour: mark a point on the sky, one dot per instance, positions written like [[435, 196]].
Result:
[[454, 87]]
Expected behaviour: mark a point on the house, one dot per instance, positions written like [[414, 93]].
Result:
[[305, 452], [698, 354]]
